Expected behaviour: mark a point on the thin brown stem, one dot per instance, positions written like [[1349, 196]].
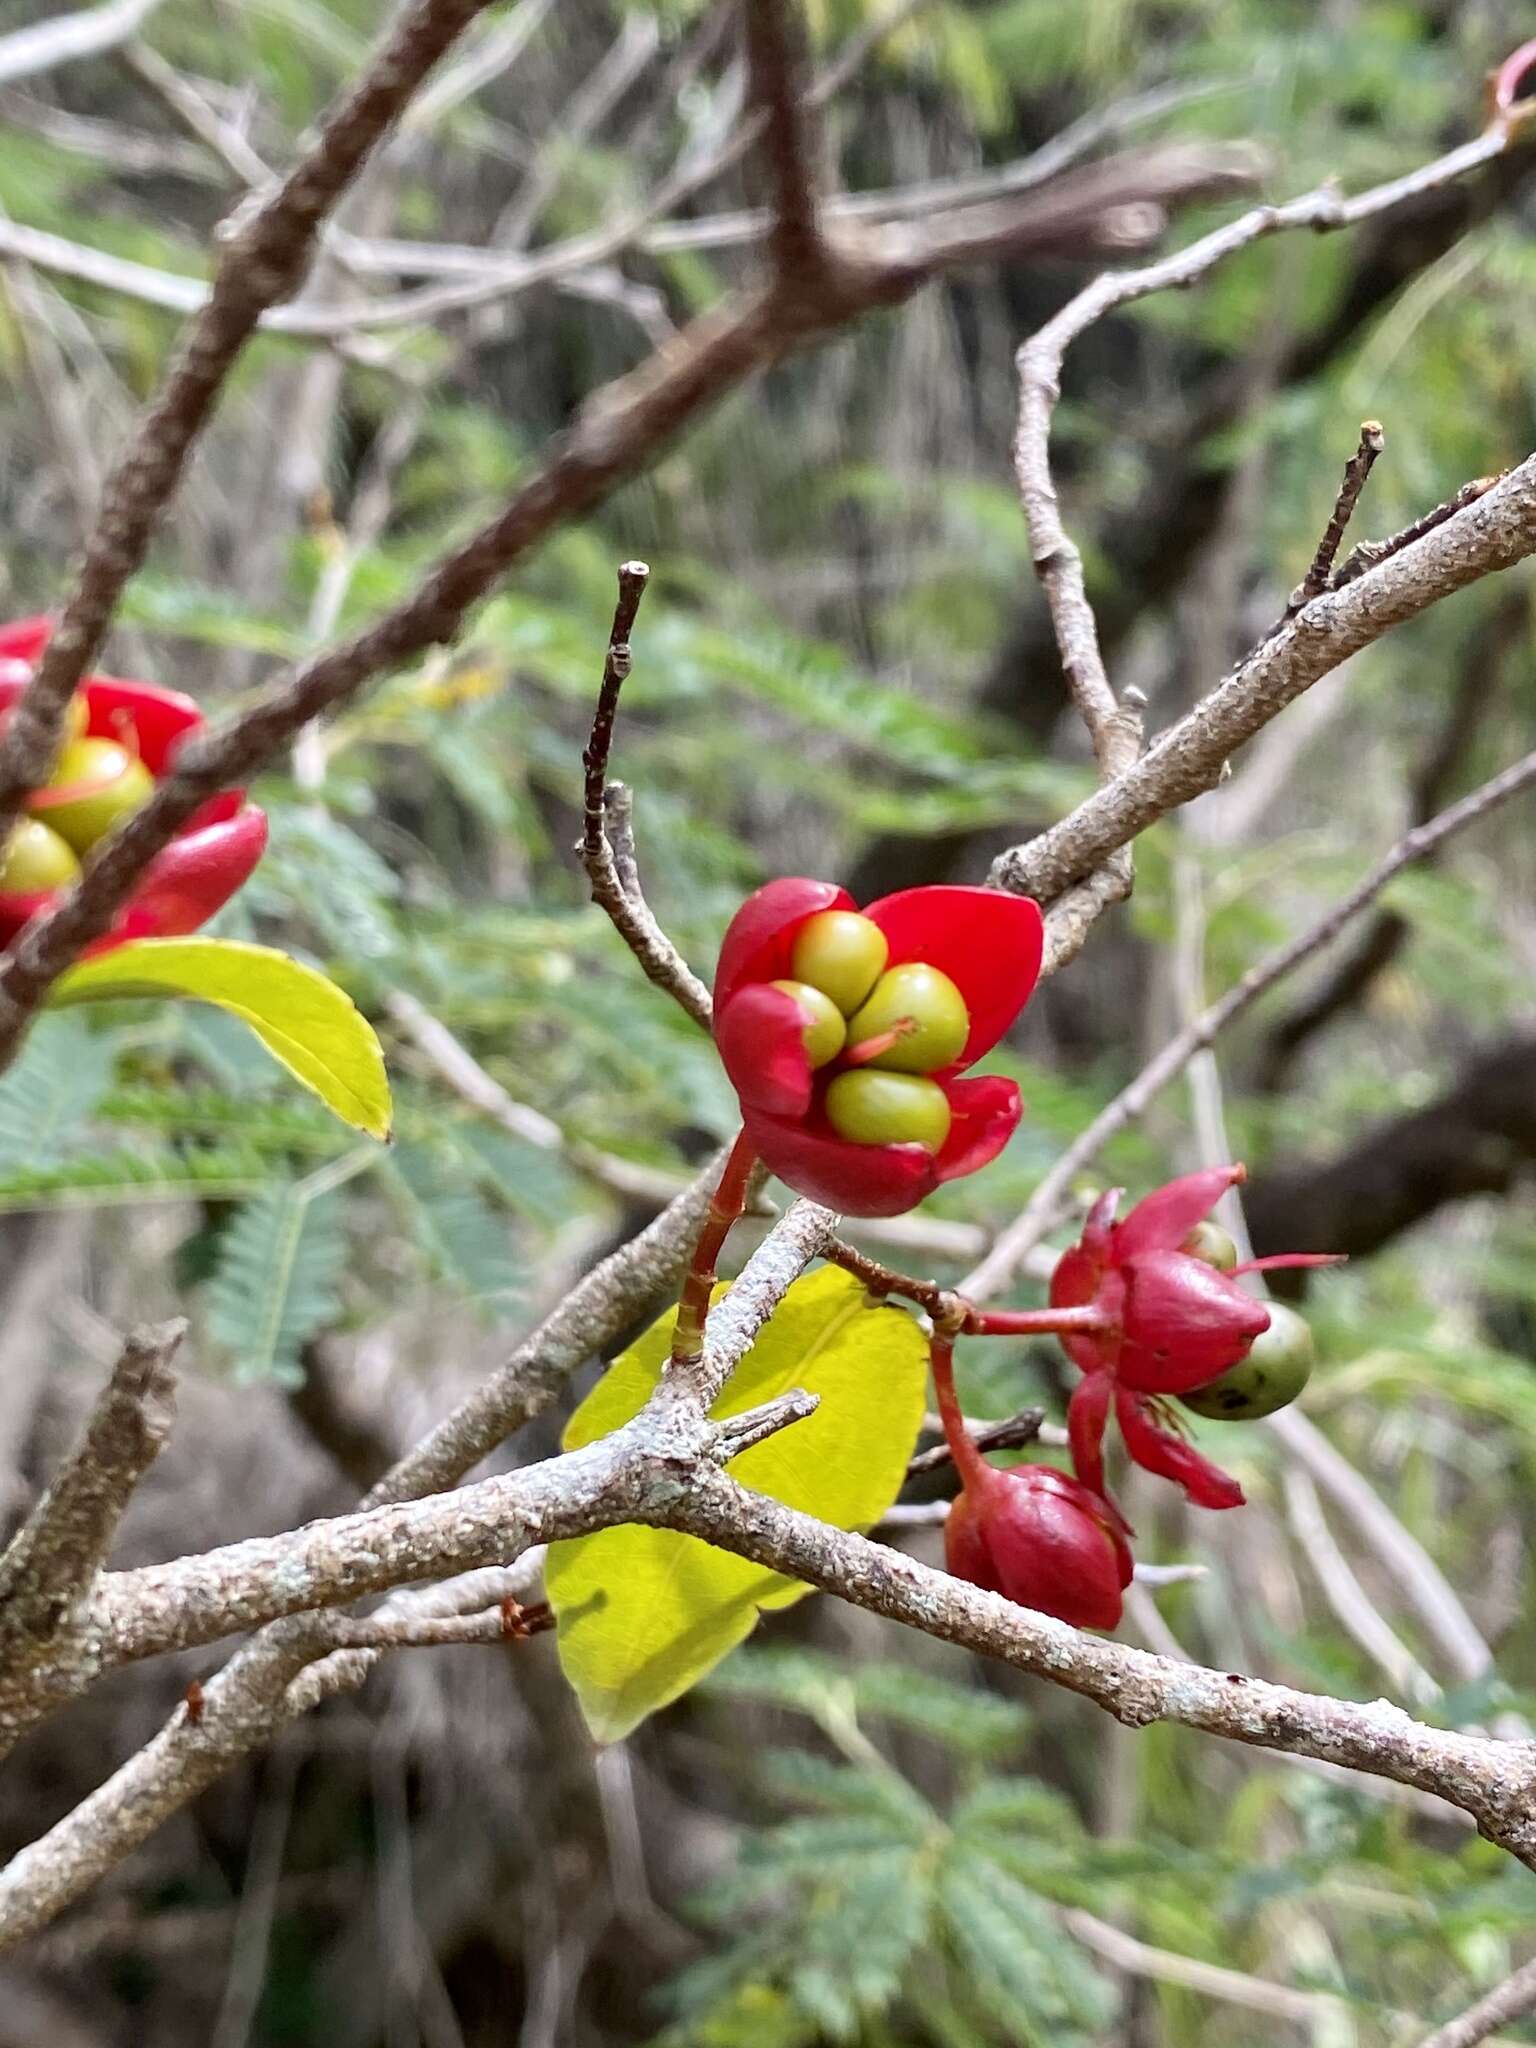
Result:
[[1320, 569], [726, 1205], [607, 846], [969, 1463]]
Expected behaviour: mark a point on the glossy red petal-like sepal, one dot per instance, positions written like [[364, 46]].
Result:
[[1183, 1322], [965, 1545], [1087, 1418], [1043, 1541], [189, 880], [856, 1180], [760, 1036], [1162, 1220], [987, 942], [984, 1114], [759, 938], [1157, 1450], [1079, 1278]]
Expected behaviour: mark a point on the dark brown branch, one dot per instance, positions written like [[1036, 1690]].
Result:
[[266, 251], [777, 73], [633, 577], [619, 430], [53, 1559]]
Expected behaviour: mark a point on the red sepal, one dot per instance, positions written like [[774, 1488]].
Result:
[[1183, 1322], [760, 937], [1170, 1457], [760, 1036], [856, 1180], [1087, 1419], [984, 1114], [189, 880], [988, 943], [1162, 1220], [1039, 1538]]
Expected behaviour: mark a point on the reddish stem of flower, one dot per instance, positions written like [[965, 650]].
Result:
[[969, 1463], [1087, 1321], [725, 1206]]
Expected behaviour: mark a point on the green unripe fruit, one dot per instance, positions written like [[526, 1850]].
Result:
[[840, 953], [1278, 1366], [1210, 1243], [888, 1109], [35, 860], [824, 1029], [113, 782], [927, 1011]]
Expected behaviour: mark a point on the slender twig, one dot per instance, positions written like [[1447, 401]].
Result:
[[1320, 570], [53, 1559], [507, 1622], [615, 879], [1314, 2010], [881, 1279], [1021, 1236], [264, 256], [66, 38], [1514, 1999], [1351, 1605], [1356, 472], [1191, 756], [1011, 1434]]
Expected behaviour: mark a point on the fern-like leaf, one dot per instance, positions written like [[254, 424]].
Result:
[[274, 1282]]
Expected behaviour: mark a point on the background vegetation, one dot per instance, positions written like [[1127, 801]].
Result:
[[844, 669]]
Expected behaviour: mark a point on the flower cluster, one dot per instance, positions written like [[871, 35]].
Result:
[[1147, 1310], [847, 1034], [120, 739]]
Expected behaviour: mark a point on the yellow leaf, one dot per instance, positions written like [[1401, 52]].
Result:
[[644, 1613]]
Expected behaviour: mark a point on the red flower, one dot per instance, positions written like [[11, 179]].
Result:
[[212, 855], [1039, 1537], [987, 944], [1174, 1323]]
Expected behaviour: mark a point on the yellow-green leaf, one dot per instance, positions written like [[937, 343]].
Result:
[[644, 1613], [306, 1022]]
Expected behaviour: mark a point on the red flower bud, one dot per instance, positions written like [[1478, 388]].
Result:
[[986, 943], [1037, 1536], [212, 855]]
